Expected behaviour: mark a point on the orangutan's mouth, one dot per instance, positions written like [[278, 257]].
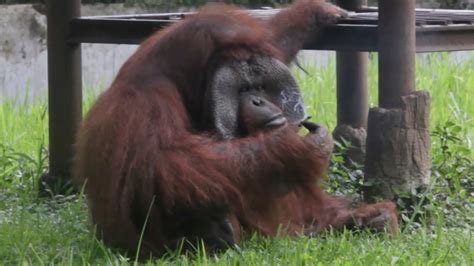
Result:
[[276, 121]]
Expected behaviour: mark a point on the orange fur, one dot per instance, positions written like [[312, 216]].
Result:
[[140, 147]]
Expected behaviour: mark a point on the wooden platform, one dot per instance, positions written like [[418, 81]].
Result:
[[436, 30]]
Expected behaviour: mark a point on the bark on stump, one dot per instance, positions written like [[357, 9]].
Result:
[[357, 138], [398, 148]]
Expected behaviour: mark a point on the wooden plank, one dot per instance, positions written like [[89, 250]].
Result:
[[348, 35]]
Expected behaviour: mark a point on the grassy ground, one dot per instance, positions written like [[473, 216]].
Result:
[[37, 232]]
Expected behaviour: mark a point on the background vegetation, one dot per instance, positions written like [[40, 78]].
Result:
[[437, 230]]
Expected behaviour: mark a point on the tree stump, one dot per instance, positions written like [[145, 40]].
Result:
[[357, 138], [398, 148]]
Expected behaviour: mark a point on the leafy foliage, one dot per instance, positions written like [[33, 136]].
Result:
[[453, 175]]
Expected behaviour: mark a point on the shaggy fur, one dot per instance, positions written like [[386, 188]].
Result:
[[142, 156]]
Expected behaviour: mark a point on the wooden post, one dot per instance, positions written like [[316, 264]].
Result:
[[398, 139], [397, 48], [64, 91], [352, 95]]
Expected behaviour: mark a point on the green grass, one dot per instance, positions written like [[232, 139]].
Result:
[[451, 85], [38, 232]]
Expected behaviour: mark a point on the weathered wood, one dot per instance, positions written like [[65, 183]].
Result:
[[357, 138], [352, 95], [352, 89], [64, 92], [355, 33], [397, 48], [398, 146]]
